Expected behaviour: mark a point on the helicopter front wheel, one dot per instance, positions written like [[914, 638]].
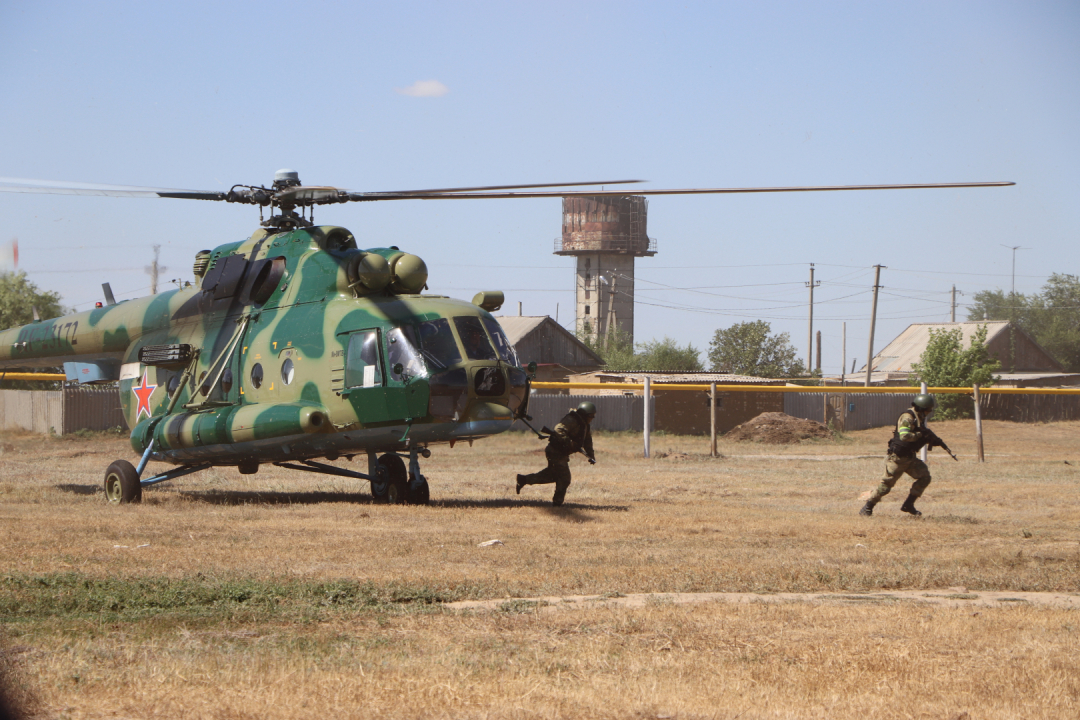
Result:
[[393, 485], [419, 494], [122, 483]]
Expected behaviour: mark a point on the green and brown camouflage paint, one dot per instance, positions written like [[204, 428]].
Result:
[[296, 326]]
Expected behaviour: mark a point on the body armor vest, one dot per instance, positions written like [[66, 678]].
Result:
[[903, 448]]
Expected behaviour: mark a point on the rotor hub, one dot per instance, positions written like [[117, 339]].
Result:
[[286, 178]]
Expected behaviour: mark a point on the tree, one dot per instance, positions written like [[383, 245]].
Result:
[[620, 355], [946, 363], [18, 298], [1051, 317], [747, 348], [616, 350], [666, 356], [1055, 320]]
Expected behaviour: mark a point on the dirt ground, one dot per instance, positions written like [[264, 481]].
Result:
[[776, 428], [682, 586]]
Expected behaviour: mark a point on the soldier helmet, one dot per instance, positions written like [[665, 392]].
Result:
[[924, 402], [587, 408]]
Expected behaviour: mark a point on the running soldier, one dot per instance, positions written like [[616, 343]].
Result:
[[571, 435], [910, 436]]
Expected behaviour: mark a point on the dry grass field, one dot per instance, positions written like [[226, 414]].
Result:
[[290, 595]]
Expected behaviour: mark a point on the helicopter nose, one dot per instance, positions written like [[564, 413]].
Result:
[[486, 411]]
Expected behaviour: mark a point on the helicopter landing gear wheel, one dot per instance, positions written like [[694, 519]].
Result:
[[393, 481], [122, 483], [419, 494]]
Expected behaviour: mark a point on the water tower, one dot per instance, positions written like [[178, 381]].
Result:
[[605, 233]]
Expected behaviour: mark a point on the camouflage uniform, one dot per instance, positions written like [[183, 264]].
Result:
[[907, 440], [571, 435]]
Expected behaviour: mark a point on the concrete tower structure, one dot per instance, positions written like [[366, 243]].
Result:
[[605, 234]]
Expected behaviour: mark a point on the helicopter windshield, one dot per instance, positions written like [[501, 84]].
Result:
[[402, 341], [502, 343], [476, 343], [437, 344]]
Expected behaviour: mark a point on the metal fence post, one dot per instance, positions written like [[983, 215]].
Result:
[[922, 452], [978, 426], [647, 422], [712, 416]]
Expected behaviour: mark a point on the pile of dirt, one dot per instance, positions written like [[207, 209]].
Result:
[[778, 428]]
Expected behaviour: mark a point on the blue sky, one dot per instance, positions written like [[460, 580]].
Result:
[[202, 96]]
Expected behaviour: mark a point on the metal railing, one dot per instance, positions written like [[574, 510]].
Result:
[[606, 242], [649, 388]]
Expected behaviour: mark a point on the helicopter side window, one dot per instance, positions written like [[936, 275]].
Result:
[[362, 367], [502, 343], [475, 340], [403, 350], [437, 344]]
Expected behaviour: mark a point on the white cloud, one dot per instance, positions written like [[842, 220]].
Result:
[[424, 88]]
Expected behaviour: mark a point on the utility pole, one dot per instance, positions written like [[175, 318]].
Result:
[[873, 322], [153, 269], [1012, 307], [1014, 248], [817, 359], [843, 353], [609, 324], [952, 314], [810, 328]]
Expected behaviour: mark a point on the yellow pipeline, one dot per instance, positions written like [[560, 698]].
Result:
[[33, 377], [699, 387]]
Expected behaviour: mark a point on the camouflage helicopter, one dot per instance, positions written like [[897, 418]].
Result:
[[295, 344]]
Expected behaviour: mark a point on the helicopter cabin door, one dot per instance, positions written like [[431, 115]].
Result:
[[372, 382], [364, 380]]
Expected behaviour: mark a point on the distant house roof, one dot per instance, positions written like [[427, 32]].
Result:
[[541, 340], [690, 377], [908, 347]]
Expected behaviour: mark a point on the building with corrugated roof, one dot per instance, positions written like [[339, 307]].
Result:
[[1024, 363], [554, 349]]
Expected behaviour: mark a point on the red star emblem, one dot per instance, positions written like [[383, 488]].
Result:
[[143, 393]]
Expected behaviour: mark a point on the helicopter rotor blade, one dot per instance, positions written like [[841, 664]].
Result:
[[682, 191], [319, 195], [498, 187], [49, 187]]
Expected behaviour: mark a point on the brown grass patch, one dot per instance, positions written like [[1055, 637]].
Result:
[[290, 595]]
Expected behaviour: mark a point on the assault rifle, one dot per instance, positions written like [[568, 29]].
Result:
[[935, 441], [550, 432]]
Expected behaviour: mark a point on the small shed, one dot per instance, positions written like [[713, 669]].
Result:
[[555, 350]]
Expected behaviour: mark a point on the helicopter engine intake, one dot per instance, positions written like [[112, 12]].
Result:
[[367, 272]]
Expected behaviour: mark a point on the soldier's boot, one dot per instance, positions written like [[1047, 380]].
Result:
[[520, 484], [868, 508], [909, 506]]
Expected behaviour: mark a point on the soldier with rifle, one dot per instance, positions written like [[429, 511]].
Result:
[[910, 436], [571, 435]]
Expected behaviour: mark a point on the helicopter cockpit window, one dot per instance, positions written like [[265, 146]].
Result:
[[437, 344], [402, 349], [475, 340], [502, 343], [362, 367]]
